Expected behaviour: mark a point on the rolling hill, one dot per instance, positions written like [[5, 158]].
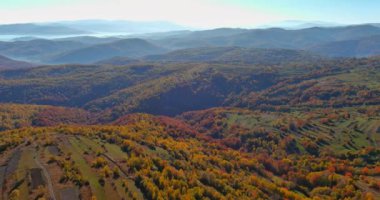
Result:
[[363, 47], [173, 88], [215, 153], [7, 63], [36, 50], [118, 61], [268, 38], [221, 55], [346, 41], [234, 55], [295, 130], [19, 116], [90, 40], [126, 47], [349, 86], [229, 118]]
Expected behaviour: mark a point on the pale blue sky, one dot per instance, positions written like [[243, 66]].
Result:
[[198, 13]]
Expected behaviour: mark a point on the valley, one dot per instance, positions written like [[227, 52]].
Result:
[[162, 112], [297, 130]]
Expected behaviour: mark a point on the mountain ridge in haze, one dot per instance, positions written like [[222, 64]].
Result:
[[64, 50], [132, 47], [38, 29], [362, 47], [7, 63], [299, 24], [36, 50], [121, 26], [268, 38]]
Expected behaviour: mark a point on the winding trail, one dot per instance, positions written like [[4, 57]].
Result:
[[117, 165], [47, 175]]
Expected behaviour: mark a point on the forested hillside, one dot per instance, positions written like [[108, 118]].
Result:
[[222, 153], [218, 114], [173, 88]]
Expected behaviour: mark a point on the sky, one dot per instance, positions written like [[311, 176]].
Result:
[[193, 13]]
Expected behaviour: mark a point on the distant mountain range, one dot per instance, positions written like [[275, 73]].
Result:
[[120, 26], [37, 29], [87, 27], [36, 50], [126, 47], [269, 38], [367, 46], [343, 41], [90, 39], [299, 24]]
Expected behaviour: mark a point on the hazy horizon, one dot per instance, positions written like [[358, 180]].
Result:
[[194, 14]]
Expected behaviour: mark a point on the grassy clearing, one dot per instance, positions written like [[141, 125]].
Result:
[[93, 144], [85, 168], [368, 78], [115, 151]]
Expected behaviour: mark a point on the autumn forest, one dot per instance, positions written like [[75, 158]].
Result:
[[221, 114]]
